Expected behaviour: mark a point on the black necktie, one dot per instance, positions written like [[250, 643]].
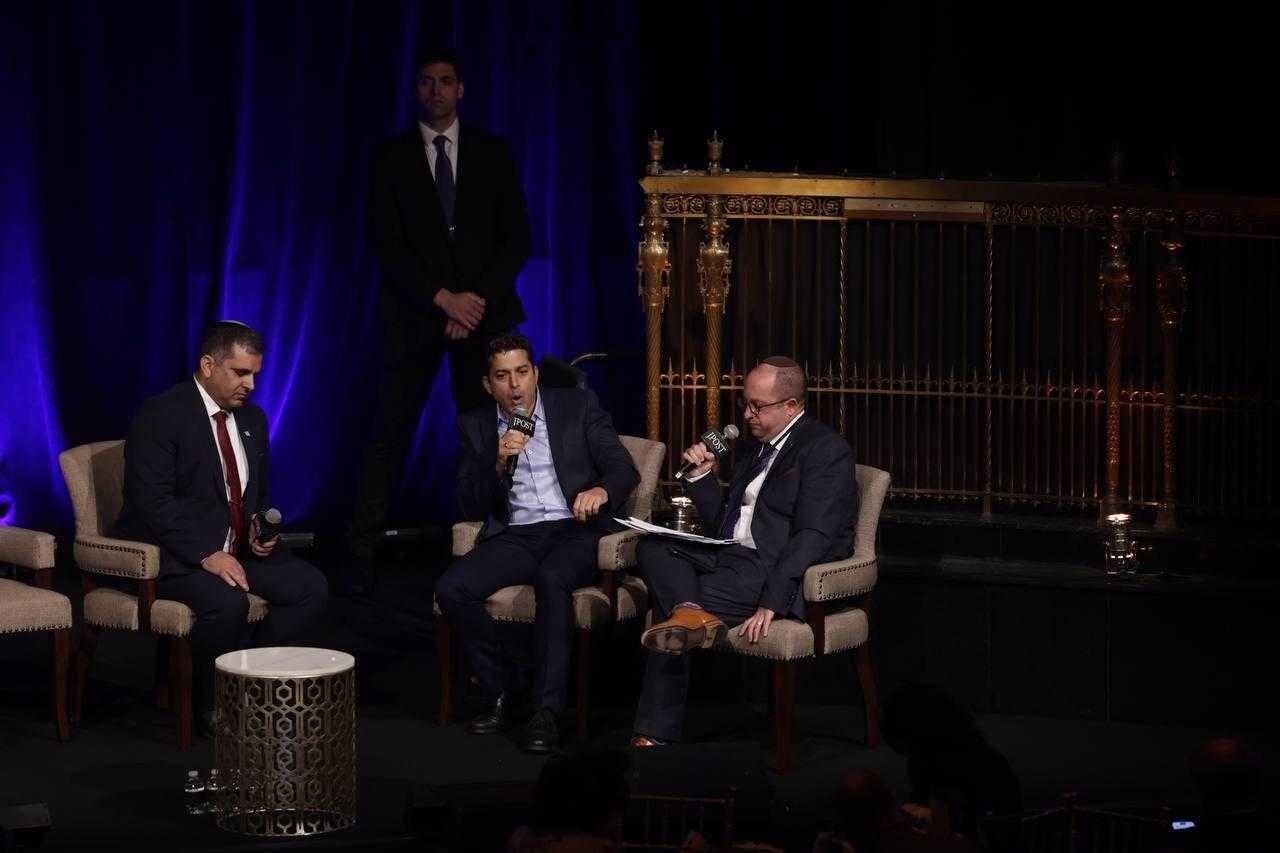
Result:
[[444, 180], [733, 505]]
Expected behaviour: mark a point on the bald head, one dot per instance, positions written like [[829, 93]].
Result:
[[788, 378]]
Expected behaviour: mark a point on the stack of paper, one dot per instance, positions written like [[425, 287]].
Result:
[[646, 527]]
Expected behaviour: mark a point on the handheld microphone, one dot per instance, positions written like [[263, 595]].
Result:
[[716, 442], [268, 524], [521, 421]]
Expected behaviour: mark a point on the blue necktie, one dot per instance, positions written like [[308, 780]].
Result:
[[733, 505], [444, 180]]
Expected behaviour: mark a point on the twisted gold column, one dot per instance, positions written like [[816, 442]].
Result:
[[1171, 293], [713, 283], [654, 268], [1115, 286]]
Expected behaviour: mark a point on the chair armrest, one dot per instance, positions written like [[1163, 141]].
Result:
[[465, 534], [29, 549], [840, 579], [101, 555], [617, 551]]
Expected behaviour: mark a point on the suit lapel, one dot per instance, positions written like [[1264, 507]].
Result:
[[489, 435], [555, 431], [249, 439], [788, 452]]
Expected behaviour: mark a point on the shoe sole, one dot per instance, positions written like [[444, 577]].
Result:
[[676, 640]]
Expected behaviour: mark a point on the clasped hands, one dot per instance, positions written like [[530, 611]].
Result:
[[464, 310]]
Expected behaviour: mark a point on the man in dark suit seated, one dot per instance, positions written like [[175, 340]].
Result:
[[195, 479], [792, 502], [542, 520]]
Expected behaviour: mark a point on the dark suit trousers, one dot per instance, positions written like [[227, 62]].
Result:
[[410, 362], [724, 581], [294, 588], [556, 557]]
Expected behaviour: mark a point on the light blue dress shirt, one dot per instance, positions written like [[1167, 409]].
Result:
[[535, 491]]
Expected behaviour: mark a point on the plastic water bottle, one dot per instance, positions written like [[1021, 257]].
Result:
[[213, 792], [194, 795]]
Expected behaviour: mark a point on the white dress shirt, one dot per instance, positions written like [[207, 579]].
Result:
[[237, 447], [450, 147]]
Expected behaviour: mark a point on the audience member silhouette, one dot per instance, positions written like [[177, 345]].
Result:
[[956, 775]]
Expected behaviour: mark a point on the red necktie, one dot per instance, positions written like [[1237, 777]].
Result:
[[236, 499]]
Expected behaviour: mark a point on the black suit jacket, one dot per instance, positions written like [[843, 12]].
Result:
[[487, 250], [584, 447], [804, 514], [174, 492]]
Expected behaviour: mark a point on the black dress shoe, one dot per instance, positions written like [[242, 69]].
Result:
[[541, 734], [493, 719]]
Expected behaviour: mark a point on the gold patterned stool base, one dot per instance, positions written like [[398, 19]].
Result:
[[285, 741]]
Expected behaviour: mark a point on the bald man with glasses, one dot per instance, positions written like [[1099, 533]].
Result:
[[791, 502]]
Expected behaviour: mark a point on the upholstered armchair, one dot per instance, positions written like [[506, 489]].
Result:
[[619, 596], [94, 474], [26, 608], [837, 599]]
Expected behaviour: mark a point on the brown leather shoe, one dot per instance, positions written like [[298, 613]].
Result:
[[644, 742], [688, 628]]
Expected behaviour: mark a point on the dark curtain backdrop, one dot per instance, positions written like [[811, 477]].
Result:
[[167, 162]]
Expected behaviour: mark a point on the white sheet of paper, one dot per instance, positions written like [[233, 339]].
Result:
[[646, 527]]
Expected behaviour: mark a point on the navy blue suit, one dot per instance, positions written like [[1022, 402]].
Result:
[[556, 557], [175, 496], [804, 514]]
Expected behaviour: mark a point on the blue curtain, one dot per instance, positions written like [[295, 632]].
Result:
[[167, 163]]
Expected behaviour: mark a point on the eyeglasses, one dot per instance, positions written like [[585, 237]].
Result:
[[756, 408]]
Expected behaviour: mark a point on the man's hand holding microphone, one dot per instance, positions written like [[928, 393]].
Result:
[[264, 536], [702, 457], [512, 442]]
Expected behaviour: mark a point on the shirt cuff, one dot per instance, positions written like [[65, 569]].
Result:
[[697, 478]]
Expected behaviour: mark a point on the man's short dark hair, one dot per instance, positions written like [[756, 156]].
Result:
[[439, 54], [790, 380], [506, 343], [222, 337]]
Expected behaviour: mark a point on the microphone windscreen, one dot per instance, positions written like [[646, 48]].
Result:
[[730, 432], [272, 516]]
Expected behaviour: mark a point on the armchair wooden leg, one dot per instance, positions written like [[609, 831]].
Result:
[[584, 669], [60, 647], [180, 687], [784, 706], [444, 648], [84, 654], [870, 699]]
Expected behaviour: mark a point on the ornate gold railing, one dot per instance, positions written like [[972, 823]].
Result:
[[1078, 345]]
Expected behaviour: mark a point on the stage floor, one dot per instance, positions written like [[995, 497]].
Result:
[[119, 781]]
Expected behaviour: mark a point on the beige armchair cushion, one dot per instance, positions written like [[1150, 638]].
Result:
[[617, 551], [30, 608], [112, 608], [840, 579], [791, 639], [95, 481], [590, 604], [27, 548], [465, 534], [102, 555]]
